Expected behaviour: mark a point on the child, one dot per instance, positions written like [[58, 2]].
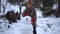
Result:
[[30, 11]]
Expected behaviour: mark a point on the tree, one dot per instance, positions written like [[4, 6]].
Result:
[[58, 11], [0, 5], [19, 2], [46, 6]]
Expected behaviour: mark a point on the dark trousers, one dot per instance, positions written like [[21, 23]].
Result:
[[34, 30]]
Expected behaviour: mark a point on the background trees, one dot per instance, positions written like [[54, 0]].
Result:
[[46, 6], [58, 11]]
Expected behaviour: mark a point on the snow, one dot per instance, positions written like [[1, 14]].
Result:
[[21, 27], [27, 26], [23, 8], [38, 13], [42, 27], [10, 7], [55, 6], [24, 25]]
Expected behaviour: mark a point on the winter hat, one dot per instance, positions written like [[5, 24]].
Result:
[[29, 2]]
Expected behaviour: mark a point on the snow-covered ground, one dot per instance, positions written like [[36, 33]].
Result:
[[42, 24], [22, 26], [49, 25]]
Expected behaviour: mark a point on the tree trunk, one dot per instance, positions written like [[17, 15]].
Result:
[[58, 11]]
